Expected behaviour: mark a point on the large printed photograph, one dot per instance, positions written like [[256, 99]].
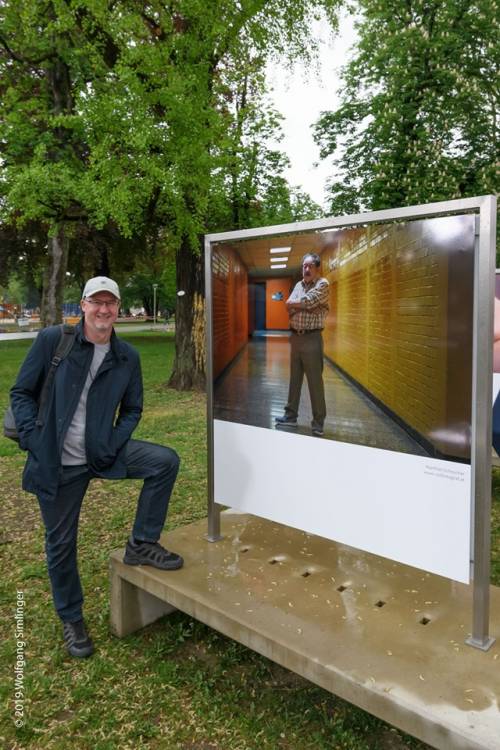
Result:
[[361, 335]]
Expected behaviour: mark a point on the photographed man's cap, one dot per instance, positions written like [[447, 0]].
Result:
[[101, 284]]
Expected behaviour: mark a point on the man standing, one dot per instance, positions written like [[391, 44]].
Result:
[[307, 309], [78, 436]]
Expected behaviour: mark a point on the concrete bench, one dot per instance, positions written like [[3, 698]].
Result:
[[383, 636]]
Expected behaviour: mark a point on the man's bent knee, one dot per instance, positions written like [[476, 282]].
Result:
[[173, 459], [165, 459]]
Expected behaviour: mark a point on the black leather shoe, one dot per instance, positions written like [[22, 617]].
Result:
[[151, 553], [77, 640]]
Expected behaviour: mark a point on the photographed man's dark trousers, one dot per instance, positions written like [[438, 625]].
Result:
[[306, 357], [156, 464]]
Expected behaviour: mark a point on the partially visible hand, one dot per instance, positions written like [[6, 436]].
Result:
[[103, 462]]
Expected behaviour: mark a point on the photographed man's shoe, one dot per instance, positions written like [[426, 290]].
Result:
[[77, 640], [318, 431], [151, 553], [285, 421]]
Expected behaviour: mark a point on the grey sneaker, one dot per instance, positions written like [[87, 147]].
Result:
[[318, 431], [151, 553], [77, 640], [285, 421]]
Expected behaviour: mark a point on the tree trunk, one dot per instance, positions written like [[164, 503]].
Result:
[[189, 364], [54, 279], [102, 267]]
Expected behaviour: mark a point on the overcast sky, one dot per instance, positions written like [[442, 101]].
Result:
[[301, 95]]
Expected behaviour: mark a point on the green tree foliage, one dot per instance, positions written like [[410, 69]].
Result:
[[418, 117], [248, 188], [14, 293], [122, 141], [49, 53], [227, 47], [138, 291]]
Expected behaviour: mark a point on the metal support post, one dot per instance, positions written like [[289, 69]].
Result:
[[213, 534], [155, 287], [484, 291]]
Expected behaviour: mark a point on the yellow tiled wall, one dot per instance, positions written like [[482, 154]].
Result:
[[388, 327]]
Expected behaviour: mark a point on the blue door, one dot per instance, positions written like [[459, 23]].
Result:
[[260, 306]]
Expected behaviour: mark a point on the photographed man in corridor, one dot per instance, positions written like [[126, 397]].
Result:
[[307, 309]]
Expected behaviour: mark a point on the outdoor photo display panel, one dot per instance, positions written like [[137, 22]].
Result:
[[496, 368], [391, 475]]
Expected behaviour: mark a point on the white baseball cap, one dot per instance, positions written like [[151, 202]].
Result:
[[101, 284]]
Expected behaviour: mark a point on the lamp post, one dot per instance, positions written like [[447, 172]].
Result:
[[155, 287]]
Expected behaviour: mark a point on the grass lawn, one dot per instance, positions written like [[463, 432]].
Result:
[[175, 684]]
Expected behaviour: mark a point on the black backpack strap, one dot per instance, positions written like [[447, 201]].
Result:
[[64, 347]]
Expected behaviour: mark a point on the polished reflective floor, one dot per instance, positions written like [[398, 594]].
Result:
[[253, 390]]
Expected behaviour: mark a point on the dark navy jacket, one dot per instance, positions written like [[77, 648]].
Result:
[[116, 387]]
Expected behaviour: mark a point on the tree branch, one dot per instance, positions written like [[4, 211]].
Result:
[[25, 60]]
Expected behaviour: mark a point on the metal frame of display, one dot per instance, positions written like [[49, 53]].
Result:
[[482, 367]]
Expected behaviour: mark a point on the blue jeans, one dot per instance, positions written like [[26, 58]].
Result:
[[156, 464], [496, 424]]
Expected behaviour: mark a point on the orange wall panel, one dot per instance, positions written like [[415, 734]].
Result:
[[230, 306], [276, 313]]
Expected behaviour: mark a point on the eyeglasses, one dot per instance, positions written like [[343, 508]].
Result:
[[103, 302]]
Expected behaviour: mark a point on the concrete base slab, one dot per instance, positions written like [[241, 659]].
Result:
[[384, 636]]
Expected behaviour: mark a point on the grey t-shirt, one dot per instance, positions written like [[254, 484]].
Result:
[[74, 443]]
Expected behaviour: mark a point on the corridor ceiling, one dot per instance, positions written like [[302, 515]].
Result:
[[256, 255]]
